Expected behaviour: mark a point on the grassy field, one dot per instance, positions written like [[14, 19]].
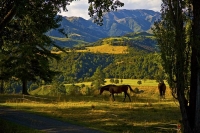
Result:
[[132, 82], [145, 114], [107, 49]]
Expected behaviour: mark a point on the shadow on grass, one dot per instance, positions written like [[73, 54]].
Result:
[[100, 113]]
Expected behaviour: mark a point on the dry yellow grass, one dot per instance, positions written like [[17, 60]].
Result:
[[57, 52], [132, 82], [107, 48], [102, 49]]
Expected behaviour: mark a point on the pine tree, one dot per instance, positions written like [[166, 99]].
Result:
[[98, 78]]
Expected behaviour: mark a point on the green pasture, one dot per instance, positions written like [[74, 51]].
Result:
[[132, 82], [148, 88], [146, 113]]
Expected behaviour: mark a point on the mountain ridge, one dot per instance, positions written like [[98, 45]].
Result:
[[116, 23]]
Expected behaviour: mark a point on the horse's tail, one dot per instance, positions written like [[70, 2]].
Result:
[[130, 88]]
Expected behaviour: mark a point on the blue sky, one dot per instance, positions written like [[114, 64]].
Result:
[[79, 8]]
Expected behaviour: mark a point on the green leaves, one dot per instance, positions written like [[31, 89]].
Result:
[[98, 7]]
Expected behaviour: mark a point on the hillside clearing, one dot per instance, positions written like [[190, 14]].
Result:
[[109, 49]]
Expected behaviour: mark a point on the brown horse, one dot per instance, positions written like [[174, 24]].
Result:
[[117, 89], [162, 89]]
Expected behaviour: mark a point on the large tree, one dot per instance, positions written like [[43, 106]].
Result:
[[23, 25], [10, 8], [195, 66], [26, 49], [178, 39], [25, 46]]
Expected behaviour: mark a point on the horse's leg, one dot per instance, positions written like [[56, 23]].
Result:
[[112, 96], [163, 94], [160, 93], [128, 96], [124, 96]]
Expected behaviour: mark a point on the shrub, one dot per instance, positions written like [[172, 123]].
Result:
[[136, 90]]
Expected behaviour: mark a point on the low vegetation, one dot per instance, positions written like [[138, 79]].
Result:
[[147, 113], [9, 127]]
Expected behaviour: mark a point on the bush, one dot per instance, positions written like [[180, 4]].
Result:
[[136, 90], [139, 82], [73, 90]]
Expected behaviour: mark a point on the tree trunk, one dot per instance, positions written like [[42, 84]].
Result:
[[180, 93], [2, 89], [197, 113], [24, 87], [180, 65], [193, 88], [186, 125], [196, 46]]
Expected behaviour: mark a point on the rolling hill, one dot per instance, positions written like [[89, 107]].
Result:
[[113, 45]]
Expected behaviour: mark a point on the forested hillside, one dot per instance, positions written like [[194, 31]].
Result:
[[140, 59], [79, 66], [133, 55], [140, 40]]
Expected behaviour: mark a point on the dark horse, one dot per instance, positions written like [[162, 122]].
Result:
[[162, 89], [117, 89]]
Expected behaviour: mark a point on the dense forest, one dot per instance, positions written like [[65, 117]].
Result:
[[80, 66]]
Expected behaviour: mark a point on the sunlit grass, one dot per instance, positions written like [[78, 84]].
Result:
[[107, 48], [133, 82], [146, 113]]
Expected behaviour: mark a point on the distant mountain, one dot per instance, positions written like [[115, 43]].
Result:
[[79, 29], [124, 21], [116, 23]]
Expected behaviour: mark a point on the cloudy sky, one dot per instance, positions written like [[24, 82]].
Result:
[[80, 8]]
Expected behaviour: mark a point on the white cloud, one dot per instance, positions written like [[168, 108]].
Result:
[[142, 4], [80, 8]]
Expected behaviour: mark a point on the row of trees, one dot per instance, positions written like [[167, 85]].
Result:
[[178, 36]]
